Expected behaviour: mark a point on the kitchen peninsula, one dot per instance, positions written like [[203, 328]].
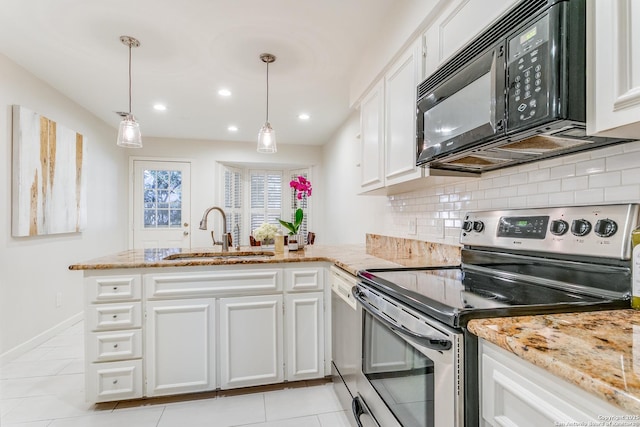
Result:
[[172, 321]]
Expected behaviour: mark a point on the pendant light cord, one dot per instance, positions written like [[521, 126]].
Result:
[[129, 78], [267, 91]]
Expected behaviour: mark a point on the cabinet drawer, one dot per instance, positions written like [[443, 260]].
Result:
[[102, 317], [172, 285], [117, 345], [304, 279], [113, 288], [114, 381]]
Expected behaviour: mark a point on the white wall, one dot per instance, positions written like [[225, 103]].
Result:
[[205, 157], [34, 269], [347, 216]]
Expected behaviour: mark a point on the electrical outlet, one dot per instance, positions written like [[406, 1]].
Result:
[[58, 299], [413, 226]]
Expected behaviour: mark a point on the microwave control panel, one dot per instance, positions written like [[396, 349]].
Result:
[[528, 74]]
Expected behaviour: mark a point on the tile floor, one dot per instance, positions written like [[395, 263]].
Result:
[[45, 388]]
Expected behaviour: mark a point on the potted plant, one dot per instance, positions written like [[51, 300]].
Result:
[[302, 189]]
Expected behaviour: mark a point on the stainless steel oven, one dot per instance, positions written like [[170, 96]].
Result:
[[411, 372], [418, 361]]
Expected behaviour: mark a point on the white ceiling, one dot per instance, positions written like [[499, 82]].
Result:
[[192, 48]]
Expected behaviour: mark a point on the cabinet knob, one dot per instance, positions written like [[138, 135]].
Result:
[[185, 233], [115, 288], [115, 346], [115, 316], [115, 381]]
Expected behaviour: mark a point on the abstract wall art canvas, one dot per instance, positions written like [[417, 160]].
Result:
[[49, 185]]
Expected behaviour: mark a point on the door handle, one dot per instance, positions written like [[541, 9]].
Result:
[[186, 224], [185, 233]]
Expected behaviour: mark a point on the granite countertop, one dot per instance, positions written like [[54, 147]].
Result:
[[351, 258], [597, 351]]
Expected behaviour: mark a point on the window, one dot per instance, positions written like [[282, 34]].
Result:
[[254, 196], [162, 198]]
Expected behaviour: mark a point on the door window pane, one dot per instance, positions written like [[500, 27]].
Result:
[[162, 198]]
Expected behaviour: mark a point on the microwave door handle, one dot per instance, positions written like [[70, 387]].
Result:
[[429, 342]]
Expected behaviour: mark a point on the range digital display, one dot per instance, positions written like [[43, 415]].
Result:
[[529, 227]]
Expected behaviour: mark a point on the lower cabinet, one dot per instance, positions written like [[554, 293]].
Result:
[[180, 346], [251, 341], [193, 330], [515, 392]]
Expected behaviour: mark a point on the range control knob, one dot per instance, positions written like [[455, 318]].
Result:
[[580, 227], [559, 227], [478, 226], [467, 226], [605, 228]]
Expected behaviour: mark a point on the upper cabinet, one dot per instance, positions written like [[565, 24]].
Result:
[[387, 112], [613, 68]]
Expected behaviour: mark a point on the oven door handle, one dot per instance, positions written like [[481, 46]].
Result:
[[427, 341]]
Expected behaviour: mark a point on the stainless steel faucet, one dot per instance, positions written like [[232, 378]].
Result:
[[225, 235]]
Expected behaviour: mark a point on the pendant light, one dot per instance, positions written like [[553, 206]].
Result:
[[129, 131], [267, 136]]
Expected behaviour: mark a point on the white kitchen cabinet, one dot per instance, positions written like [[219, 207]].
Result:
[[304, 328], [251, 341], [514, 392], [613, 70], [180, 346], [113, 337], [372, 138], [456, 25], [400, 117]]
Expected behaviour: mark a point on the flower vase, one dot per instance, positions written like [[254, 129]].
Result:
[[267, 244], [296, 242]]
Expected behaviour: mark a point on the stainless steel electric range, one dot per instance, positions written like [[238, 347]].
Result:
[[419, 363]]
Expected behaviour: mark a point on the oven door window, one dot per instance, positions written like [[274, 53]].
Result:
[[464, 110], [401, 375]]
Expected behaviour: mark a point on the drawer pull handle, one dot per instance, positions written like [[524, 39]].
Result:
[[115, 381], [115, 316], [115, 288], [115, 346]]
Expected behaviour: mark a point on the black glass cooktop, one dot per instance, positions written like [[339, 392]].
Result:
[[455, 295]]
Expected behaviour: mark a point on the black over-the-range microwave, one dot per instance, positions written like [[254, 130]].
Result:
[[515, 94]]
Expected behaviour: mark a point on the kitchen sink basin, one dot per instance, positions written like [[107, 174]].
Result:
[[203, 256]]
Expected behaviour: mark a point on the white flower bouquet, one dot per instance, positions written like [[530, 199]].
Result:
[[265, 232]]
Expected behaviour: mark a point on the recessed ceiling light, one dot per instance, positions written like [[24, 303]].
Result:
[[232, 128], [304, 116], [159, 107], [224, 92]]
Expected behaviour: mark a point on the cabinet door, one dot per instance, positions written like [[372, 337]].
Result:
[[251, 345], [180, 346], [613, 49], [372, 138], [400, 119], [304, 326]]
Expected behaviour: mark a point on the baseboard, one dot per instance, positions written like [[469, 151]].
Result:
[[23, 348]]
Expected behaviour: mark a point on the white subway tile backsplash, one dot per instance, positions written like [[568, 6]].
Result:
[[527, 167], [631, 146], [590, 167], [484, 204], [539, 175], [517, 202], [577, 183], [519, 178], [493, 193], [508, 191], [539, 200], [623, 161], [631, 176], [527, 189], [561, 198], [575, 158], [625, 193], [607, 151], [502, 181], [592, 196], [601, 180], [563, 171]]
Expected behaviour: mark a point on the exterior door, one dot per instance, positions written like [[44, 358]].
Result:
[[161, 204]]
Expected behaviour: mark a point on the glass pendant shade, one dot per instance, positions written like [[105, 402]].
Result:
[[129, 133], [267, 139]]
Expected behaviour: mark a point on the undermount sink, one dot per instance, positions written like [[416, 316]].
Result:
[[202, 256]]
